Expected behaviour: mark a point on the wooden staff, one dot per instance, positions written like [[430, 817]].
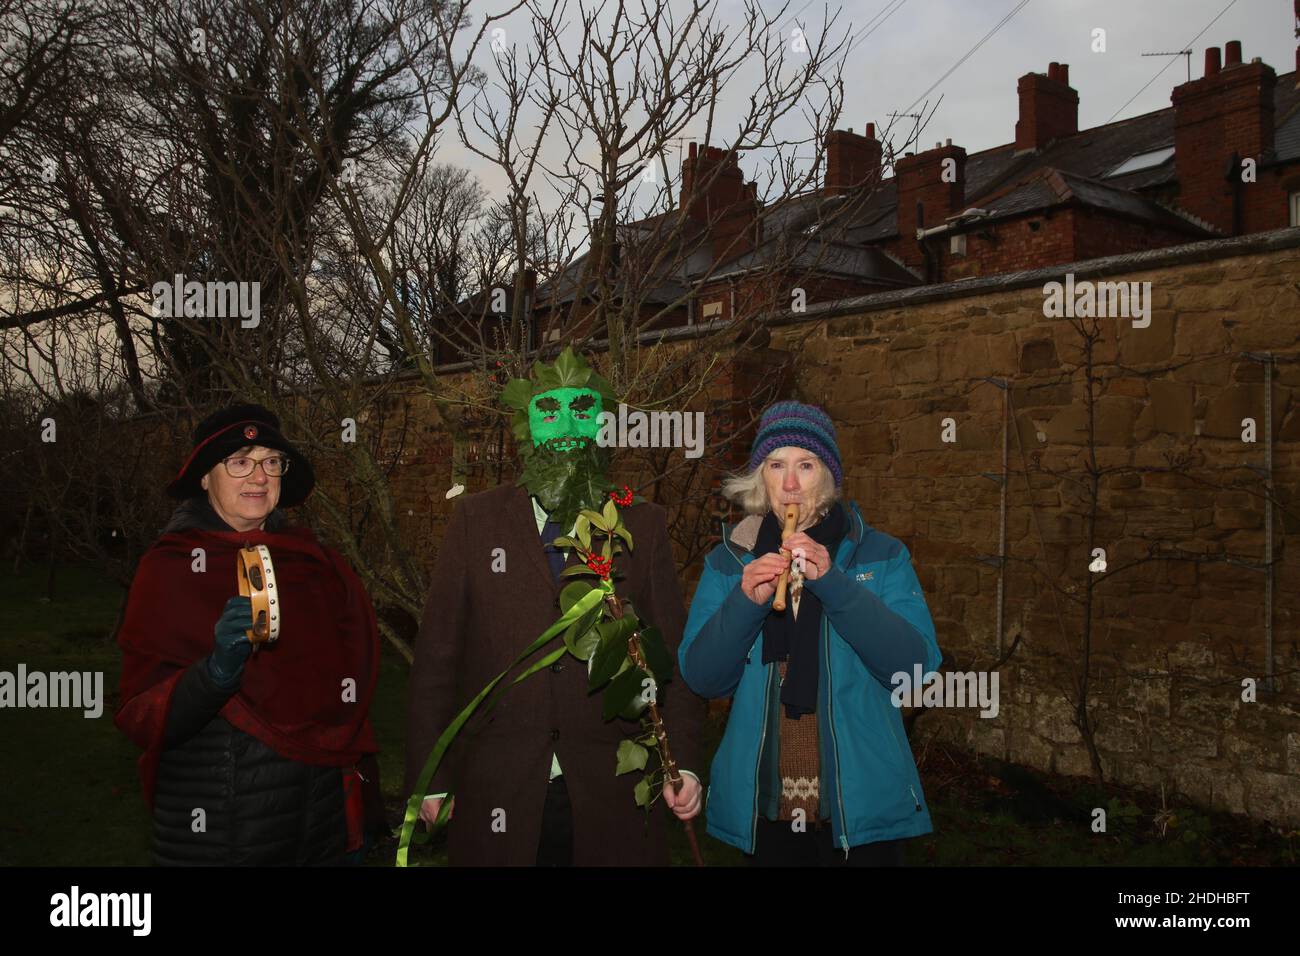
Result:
[[791, 522], [671, 773]]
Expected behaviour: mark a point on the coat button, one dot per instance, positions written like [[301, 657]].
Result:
[[557, 667], [555, 734]]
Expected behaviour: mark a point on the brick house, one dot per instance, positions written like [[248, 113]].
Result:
[[1222, 160]]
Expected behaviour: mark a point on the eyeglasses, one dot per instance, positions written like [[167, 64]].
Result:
[[241, 467]]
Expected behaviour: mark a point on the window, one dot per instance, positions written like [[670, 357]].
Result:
[[1295, 209], [1147, 160]]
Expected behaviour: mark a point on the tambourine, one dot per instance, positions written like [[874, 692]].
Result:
[[257, 582]]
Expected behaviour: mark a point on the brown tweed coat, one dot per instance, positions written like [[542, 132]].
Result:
[[476, 621]]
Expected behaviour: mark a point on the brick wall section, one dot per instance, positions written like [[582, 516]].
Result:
[[1265, 202], [1018, 244], [1062, 236], [1097, 235]]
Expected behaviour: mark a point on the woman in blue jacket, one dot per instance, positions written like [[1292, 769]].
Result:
[[815, 759]]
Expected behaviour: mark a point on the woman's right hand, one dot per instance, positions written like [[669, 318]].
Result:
[[429, 809], [226, 662], [758, 580]]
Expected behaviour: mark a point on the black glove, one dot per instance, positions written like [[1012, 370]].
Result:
[[226, 662]]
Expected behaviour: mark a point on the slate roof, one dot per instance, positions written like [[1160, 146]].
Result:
[[828, 258], [1000, 180], [1083, 160]]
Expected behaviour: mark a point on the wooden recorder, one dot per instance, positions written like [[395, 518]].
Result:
[[791, 522]]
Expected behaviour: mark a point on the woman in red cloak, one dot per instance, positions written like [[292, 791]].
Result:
[[262, 758]]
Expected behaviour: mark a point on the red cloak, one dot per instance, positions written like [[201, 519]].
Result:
[[293, 696]]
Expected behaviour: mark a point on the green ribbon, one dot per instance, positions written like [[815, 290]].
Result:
[[580, 607]]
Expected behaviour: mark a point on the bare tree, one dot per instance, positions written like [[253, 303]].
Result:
[[293, 149]]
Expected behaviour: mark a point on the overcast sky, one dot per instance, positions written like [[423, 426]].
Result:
[[914, 42]]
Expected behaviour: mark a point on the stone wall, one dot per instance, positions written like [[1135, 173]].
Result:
[[1180, 502], [1178, 621]]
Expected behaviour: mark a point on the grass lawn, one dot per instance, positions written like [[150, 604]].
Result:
[[72, 796]]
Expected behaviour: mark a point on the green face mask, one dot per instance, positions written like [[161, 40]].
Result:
[[555, 423], [565, 419]]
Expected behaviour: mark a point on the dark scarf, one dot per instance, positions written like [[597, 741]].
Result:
[[784, 637]]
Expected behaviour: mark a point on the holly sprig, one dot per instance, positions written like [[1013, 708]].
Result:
[[626, 659]]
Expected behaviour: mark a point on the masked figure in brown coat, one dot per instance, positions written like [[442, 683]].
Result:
[[532, 781]]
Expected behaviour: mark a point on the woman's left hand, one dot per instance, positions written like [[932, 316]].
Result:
[[817, 560]]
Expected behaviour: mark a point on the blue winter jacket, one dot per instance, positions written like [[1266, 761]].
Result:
[[874, 624]]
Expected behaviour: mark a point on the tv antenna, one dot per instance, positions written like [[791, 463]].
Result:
[[1183, 53], [680, 141]]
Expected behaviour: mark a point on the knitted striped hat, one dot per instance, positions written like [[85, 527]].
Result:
[[804, 426]]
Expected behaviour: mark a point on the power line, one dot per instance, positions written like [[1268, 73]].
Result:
[[971, 52], [867, 33], [1186, 46], [793, 19]]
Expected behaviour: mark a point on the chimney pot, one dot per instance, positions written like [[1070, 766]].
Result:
[[1212, 64], [1064, 75], [871, 127], [1232, 53], [1054, 71]]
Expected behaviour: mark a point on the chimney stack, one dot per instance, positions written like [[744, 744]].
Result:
[[1049, 107], [851, 160], [925, 199], [715, 193], [1227, 111]]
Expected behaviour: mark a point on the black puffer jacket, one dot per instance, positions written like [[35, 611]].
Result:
[[258, 808]]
